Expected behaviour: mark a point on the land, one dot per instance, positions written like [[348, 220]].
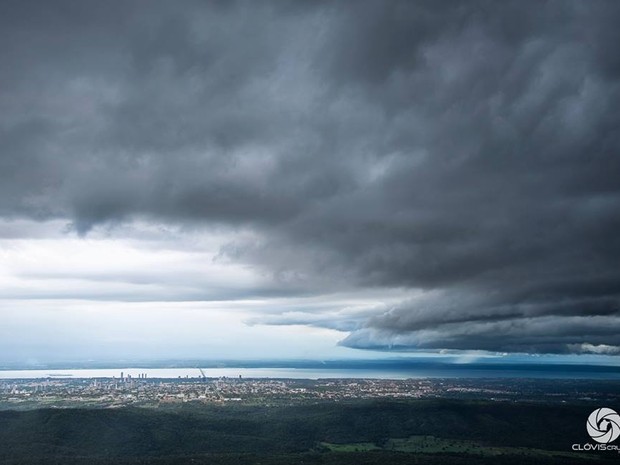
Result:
[[232, 421], [147, 392]]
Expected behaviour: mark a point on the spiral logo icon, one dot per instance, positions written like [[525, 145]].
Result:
[[604, 425]]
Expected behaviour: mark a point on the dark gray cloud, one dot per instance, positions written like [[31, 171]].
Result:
[[466, 149]]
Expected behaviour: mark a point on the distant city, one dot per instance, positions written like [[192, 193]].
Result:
[[140, 390]]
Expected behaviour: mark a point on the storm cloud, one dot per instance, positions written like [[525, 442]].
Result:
[[466, 152]]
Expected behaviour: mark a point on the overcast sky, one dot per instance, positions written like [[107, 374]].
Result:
[[308, 179]]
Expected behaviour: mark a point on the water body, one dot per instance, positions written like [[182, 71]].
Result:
[[401, 372]]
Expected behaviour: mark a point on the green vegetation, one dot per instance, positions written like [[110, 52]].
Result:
[[353, 447], [435, 445], [411, 432]]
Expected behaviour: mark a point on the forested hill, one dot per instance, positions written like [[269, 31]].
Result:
[[357, 432]]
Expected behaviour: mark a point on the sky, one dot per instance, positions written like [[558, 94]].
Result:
[[317, 180]]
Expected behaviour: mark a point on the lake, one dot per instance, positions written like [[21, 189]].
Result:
[[398, 372]]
